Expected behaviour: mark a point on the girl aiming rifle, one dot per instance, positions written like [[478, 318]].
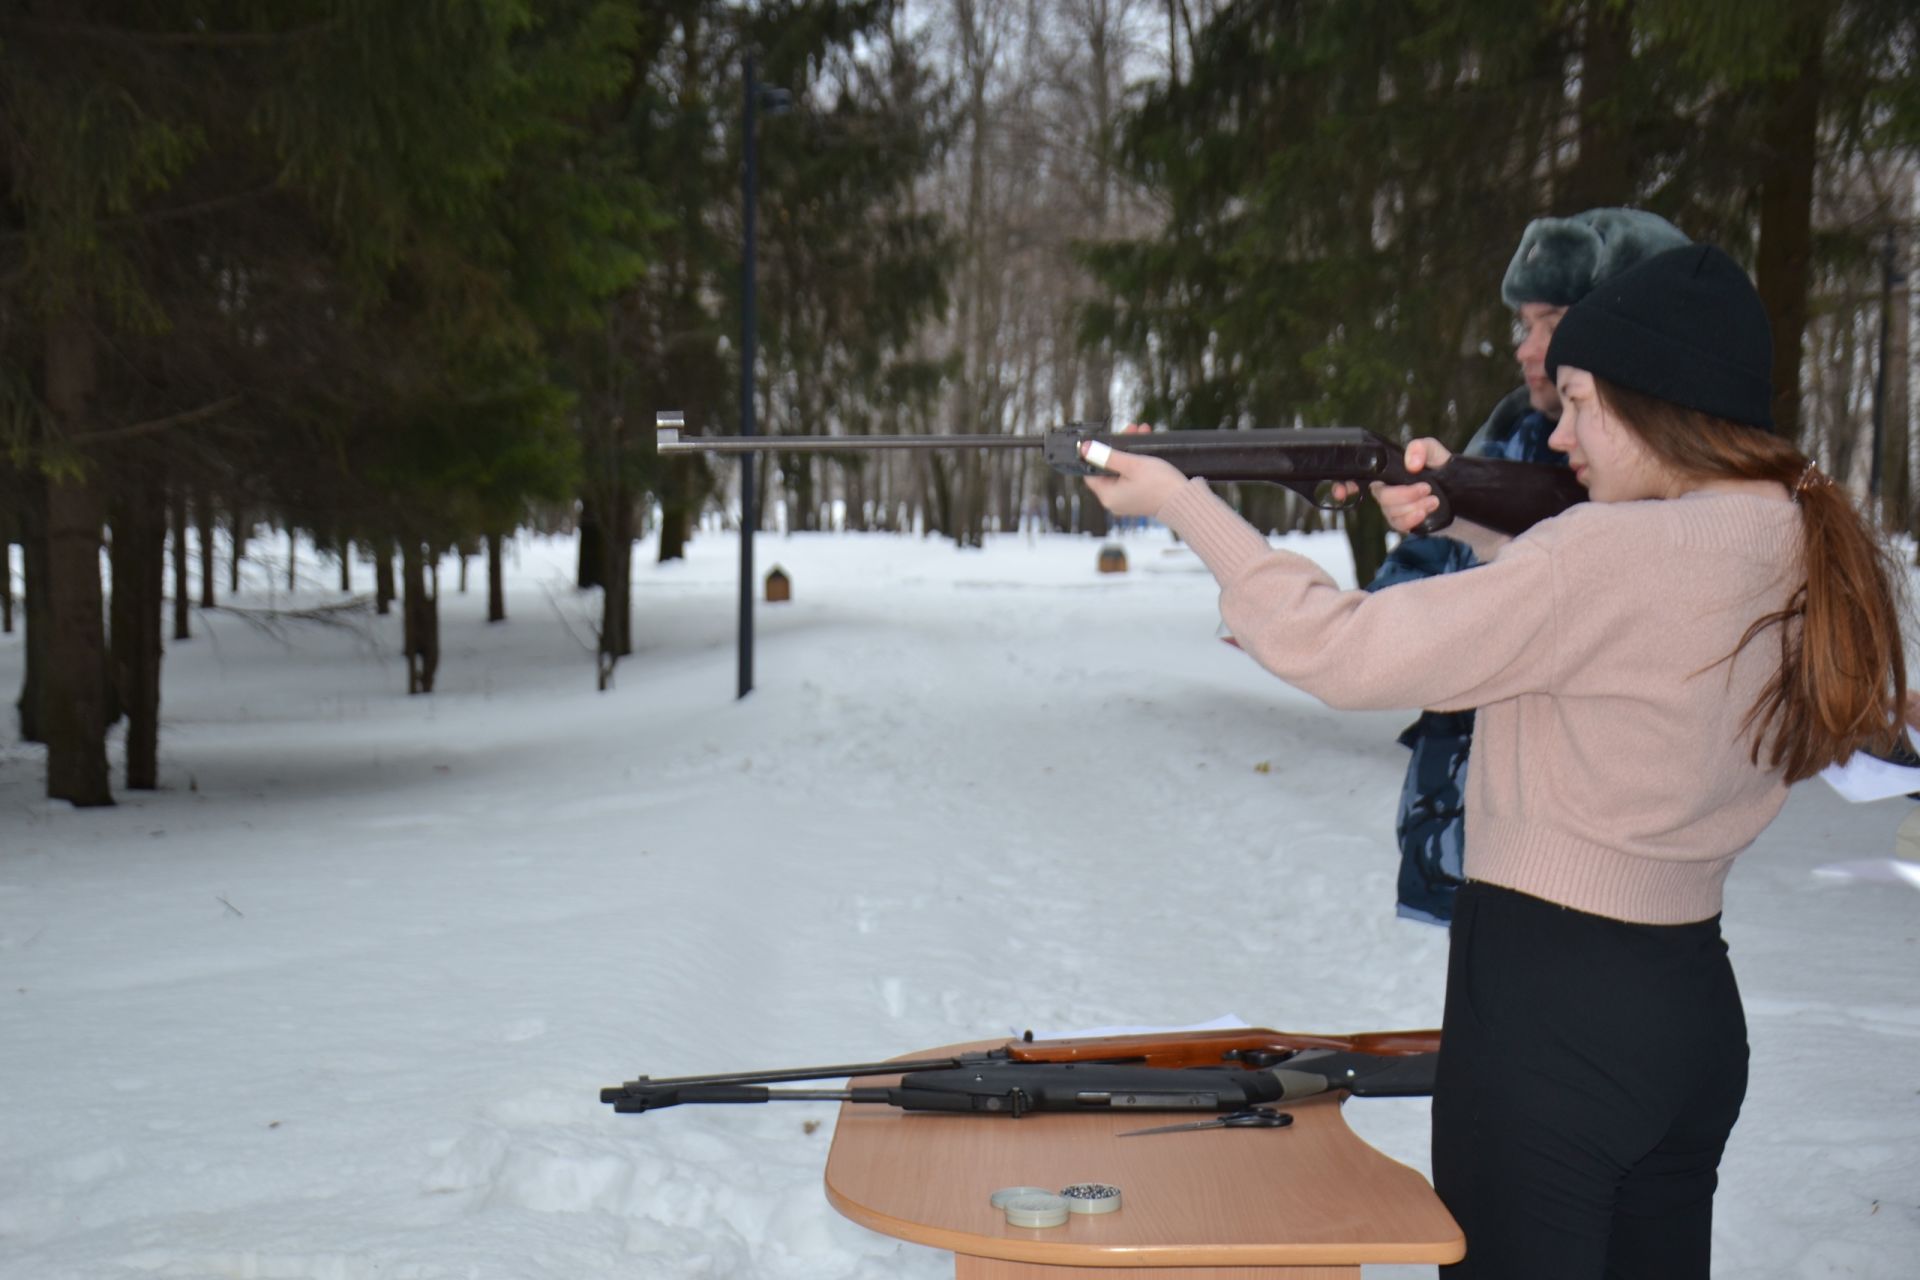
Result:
[[1653, 669]]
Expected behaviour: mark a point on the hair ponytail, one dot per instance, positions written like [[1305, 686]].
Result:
[[1841, 684]]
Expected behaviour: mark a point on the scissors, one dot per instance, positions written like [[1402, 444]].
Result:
[[1250, 1118]]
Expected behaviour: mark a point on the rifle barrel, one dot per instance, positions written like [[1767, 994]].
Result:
[[780, 1075], [671, 442]]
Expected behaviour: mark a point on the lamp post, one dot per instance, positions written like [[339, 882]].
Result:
[[776, 102]]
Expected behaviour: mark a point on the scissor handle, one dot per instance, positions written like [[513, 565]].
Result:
[[1258, 1118]]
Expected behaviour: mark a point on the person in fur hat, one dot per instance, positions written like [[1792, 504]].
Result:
[[1559, 261]]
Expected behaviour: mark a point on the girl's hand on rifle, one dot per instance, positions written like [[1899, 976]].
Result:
[[1405, 505], [1139, 486]]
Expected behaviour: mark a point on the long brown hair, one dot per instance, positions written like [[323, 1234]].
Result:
[[1842, 681]]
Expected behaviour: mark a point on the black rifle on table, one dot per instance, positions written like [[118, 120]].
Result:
[[989, 1082], [1508, 497]]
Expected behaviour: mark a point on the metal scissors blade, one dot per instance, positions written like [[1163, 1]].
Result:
[[1251, 1118]]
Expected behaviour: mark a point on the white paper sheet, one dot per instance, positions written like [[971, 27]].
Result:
[[1863, 778]]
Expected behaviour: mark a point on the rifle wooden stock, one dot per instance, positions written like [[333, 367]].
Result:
[[1248, 1046], [1508, 497]]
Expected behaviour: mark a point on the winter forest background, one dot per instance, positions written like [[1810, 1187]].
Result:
[[407, 278], [312, 311]]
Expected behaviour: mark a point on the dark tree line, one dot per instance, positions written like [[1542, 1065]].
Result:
[[1343, 181], [400, 279], [397, 278], [1208, 214]]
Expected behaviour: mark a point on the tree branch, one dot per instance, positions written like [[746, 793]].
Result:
[[154, 425], [202, 39], [208, 205], [198, 207]]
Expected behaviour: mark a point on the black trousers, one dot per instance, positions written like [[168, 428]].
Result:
[[1590, 1072]]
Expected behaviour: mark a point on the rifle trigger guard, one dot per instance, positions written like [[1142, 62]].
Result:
[[1258, 1059]]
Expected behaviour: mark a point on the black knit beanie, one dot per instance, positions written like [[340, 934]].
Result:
[[1685, 326]]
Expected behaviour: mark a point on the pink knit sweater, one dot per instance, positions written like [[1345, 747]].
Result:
[[1609, 772]]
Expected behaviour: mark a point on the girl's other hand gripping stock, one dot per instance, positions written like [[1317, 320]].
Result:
[[1138, 486]]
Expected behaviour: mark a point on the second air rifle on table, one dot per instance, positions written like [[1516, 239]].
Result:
[[1507, 497], [1217, 1071]]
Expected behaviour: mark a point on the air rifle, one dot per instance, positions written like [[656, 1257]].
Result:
[[1508, 497], [1057, 1079]]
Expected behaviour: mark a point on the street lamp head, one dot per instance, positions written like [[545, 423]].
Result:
[[775, 102]]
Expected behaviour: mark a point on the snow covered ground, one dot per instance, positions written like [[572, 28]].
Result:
[[337, 1001]]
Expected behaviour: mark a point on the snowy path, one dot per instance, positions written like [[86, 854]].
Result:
[[337, 1002]]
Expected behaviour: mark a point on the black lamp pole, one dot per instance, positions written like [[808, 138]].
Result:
[[776, 101], [749, 182]]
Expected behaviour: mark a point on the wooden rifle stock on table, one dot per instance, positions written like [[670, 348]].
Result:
[[1246, 1046], [1508, 497]]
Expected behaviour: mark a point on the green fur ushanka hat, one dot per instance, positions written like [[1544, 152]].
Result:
[[1560, 260]]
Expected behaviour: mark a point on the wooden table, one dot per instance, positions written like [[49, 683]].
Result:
[[1308, 1202]]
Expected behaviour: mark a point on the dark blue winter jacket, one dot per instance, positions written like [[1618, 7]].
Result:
[[1432, 799]]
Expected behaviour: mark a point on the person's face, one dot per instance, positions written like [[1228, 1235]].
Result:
[[1533, 330], [1606, 455]]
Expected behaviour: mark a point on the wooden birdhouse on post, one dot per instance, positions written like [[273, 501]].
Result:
[[779, 590], [1113, 558]]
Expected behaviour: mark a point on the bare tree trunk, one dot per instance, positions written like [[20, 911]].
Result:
[[1602, 170], [616, 603], [139, 560], [616, 596], [940, 498], [237, 523], [1789, 136], [34, 573], [679, 506], [1896, 488], [853, 479], [203, 511], [293, 560], [496, 581], [181, 601], [959, 491], [346, 566], [1366, 530], [976, 501], [674, 522], [383, 589], [6, 586], [1059, 502], [1833, 370], [420, 619], [1004, 484], [797, 479], [76, 693], [762, 463], [589, 571], [1173, 45]]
